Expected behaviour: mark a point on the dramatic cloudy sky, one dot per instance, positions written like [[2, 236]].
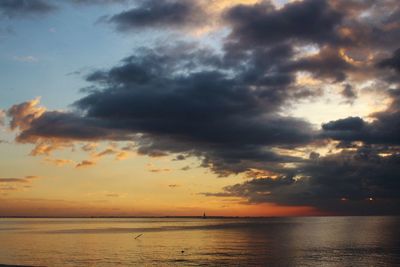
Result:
[[175, 107]]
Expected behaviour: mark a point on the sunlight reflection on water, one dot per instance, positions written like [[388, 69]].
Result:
[[313, 241]]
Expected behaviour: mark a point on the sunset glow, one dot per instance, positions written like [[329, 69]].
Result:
[[176, 108]]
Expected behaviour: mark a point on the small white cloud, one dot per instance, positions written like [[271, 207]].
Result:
[[25, 58]]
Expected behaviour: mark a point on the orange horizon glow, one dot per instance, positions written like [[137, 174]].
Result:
[[46, 208]]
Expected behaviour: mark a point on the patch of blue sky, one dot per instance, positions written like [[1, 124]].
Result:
[[40, 55]]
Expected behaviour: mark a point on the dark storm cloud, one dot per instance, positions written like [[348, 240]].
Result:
[[384, 129], [263, 66], [67, 126], [360, 182], [183, 101], [25, 8], [152, 85], [367, 23], [316, 22], [348, 93], [263, 24], [225, 156], [326, 64], [348, 124], [158, 13], [202, 106], [392, 62]]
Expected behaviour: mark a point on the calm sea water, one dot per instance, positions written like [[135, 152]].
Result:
[[314, 241]]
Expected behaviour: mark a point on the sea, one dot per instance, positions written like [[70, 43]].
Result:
[[295, 241]]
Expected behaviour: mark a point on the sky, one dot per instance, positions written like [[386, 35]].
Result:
[[179, 107]]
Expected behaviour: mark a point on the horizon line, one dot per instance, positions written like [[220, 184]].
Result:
[[194, 217]]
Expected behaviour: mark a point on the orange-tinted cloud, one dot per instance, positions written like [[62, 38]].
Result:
[[16, 184], [89, 147], [108, 151], [22, 115], [85, 163], [159, 170], [59, 162], [122, 155]]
